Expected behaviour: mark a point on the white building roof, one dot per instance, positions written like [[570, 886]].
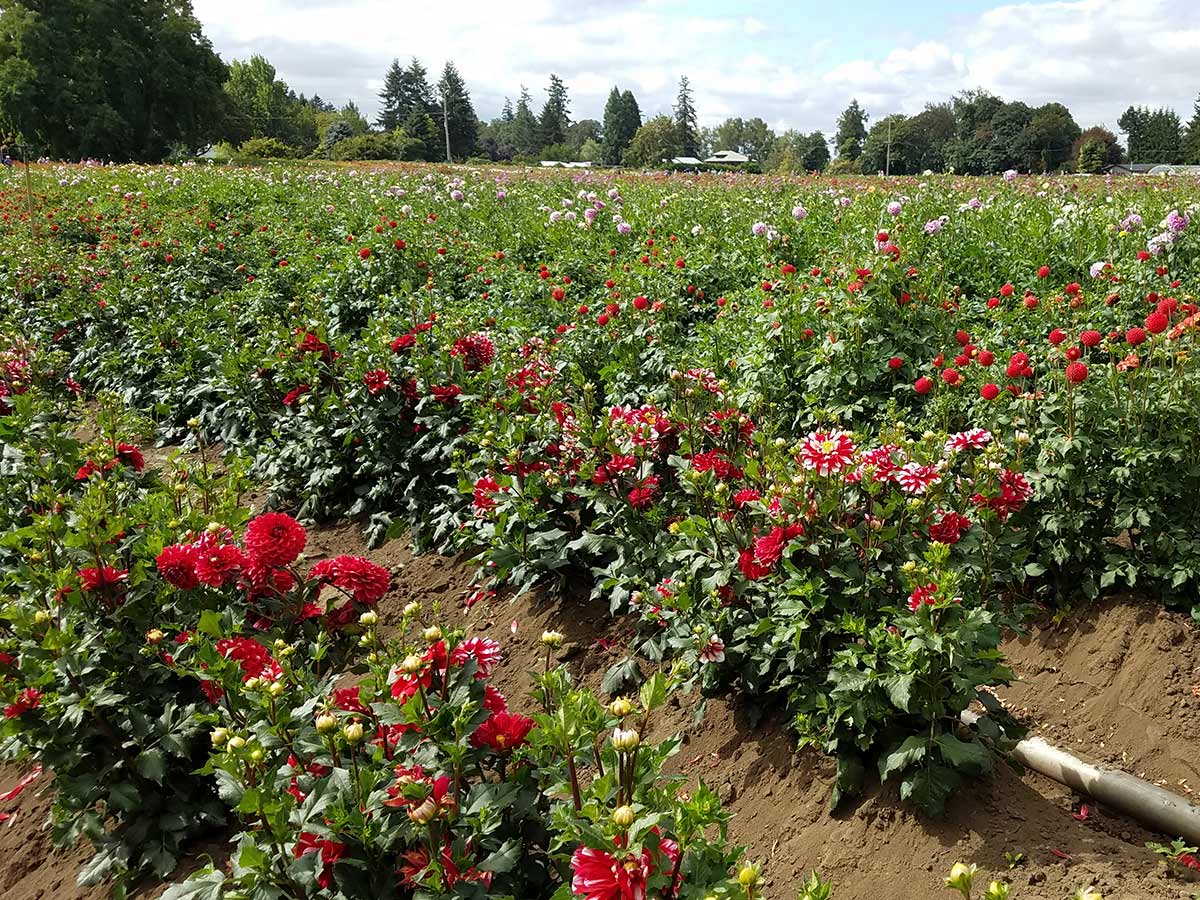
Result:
[[728, 156]]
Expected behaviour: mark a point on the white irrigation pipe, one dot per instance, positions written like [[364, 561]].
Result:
[[1161, 809]]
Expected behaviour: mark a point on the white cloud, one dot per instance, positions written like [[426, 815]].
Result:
[[1097, 56]]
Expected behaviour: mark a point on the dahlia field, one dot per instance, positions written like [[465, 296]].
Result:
[[819, 442]]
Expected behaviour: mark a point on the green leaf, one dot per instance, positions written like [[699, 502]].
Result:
[[970, 756], [151, 764], [850, 776], [204, 885], [228, 787], [929, 788], [908, 754], [899, 690], [625, 672], [505, 859], [210, 623], [654, 692]]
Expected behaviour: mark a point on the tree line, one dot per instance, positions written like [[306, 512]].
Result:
[[139, 81]]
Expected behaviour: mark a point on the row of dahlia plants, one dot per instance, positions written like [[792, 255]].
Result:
[[185, 672]]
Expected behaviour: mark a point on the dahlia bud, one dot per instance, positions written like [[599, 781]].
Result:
[[432, 634], [621, 707], [276, 689], [214, 528], [748, 875], [219, 736], [193, 422], [257, 756], [287, 651], [909, 567], [623, 816], [41, 617], [237, 743], [353, 732], [552, 638], [780, 443], [625, 739], [154, 636], [411, 609], [35, 557], [253, 683], [368, 619], [280, 643], [411, 664], [326, 723], [961, 877], [425, 813]]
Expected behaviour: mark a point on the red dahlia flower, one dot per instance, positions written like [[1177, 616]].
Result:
[[275, 539], [642, 496], [30, 698], [131, 456], [331, 852], [376, 380], [502, 732], [359, 577], [218, 564], [103, 578], [404, 342], [177, 565], [598, 875], [926, 595], [476, 350]]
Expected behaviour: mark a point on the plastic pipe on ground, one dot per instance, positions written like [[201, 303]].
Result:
[[1156, 807]]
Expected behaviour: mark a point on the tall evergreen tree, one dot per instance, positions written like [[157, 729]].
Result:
[[1164, 137], [851, 131], [556, 114], [506, 114], [460, 121], [1191, 140], [391, 114], [525, 126], [687, 133], [622, 119], [415, 95], [1133, 123]]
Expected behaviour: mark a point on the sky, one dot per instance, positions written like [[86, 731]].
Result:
[[794, 64]]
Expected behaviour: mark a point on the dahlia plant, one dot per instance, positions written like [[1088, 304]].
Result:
[[417, 778]]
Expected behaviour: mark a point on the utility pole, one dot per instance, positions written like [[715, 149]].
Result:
[[887, 166], [446, 125]]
